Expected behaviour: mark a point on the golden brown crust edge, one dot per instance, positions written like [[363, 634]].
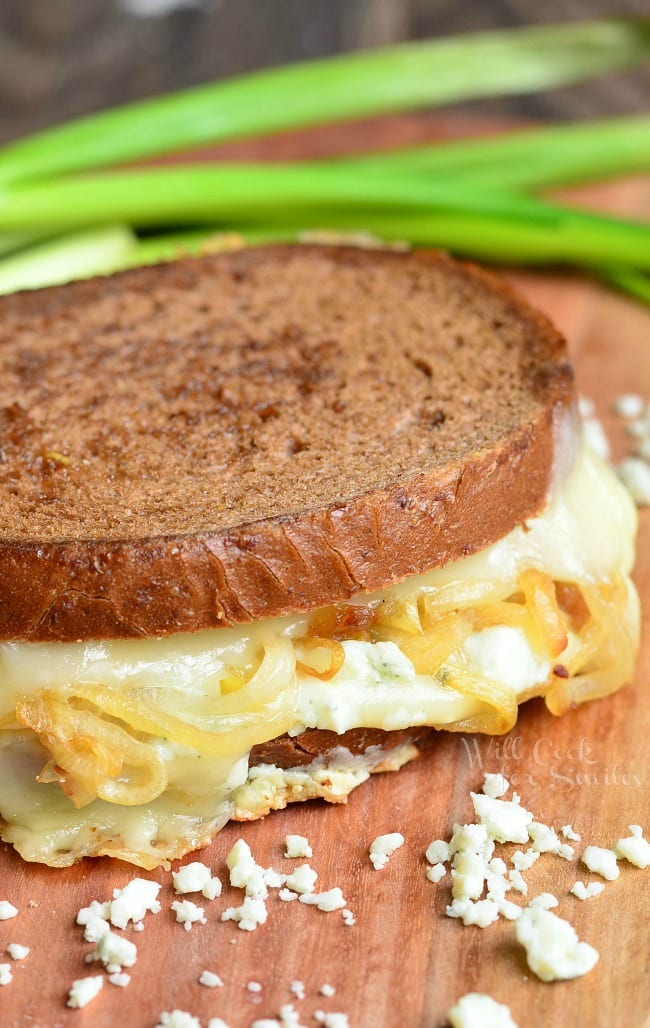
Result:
[[67, 591]]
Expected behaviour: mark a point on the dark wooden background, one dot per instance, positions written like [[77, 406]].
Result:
[[60, 58]]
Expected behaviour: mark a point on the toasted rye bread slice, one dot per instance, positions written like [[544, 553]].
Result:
[[240, 436]]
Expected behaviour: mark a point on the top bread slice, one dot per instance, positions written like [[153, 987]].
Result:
[[242, 435]]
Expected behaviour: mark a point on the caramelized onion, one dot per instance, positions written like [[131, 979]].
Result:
[[541, 600], [100, 757], [322, 658]]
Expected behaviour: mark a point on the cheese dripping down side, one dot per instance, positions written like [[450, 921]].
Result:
[[139, 748]]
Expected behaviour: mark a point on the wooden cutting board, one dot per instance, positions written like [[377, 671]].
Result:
[[403, 963]]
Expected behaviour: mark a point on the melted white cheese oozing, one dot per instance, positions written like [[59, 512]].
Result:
[[585, 534]]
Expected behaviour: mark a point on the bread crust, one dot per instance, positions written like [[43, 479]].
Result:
[[70, 589]]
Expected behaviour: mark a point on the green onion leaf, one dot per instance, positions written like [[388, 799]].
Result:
[[493, 225], [530, 159], [78, 255], [334, 89]]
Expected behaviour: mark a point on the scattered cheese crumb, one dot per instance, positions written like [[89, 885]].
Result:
[[187, 913], [249, 915], [569, 833], [84, 990], [383, 847], [273, 878], [435, 873], [629, 405], [254, 987], [476, 1010], [634, 848], [7, 910], [16, 951], [331, 1020], [601, 861], [583, 891], [297, 987], [302, 880], [131, 903], [242, 867], [327, 990], [114, 951], [297, 846], [596, 438], [467, 875], [471, 837], [553, 950], [289, 1016], [196, 877], [119, 979], [216, 1022], [481, 913], [495, 785], [504, 821], [634, 473], [545, 901], [348, 918], [210, 980], [327, 901], [437, 852], [523, 861], [517, 882], [5, 974], [497, 866], [178, 1019], [287, 895]]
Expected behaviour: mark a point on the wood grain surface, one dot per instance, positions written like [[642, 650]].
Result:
[[404, 962]]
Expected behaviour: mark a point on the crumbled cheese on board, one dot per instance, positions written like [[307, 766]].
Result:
[[302, 880], [84, 990], [210, 980], [634, 848], [178, 1019], [7, 910], [495, 785], [326, 901], [331, 1020], [114, 951], [16, 951], [188, 914], [297, 846], [569, 833], [383, 847], [584, 891], [121, 979], [545, 901], [601, 861], [553, 951], [196, 877], [476, 1010], [504, 821], [435, 873]]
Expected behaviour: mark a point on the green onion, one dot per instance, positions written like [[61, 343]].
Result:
[[494, 225], [629, 280], [534, 158], [78, 255], [11, 242], [334, 89]]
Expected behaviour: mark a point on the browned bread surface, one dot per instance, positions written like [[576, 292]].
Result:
[[238, 436], [314, 743]]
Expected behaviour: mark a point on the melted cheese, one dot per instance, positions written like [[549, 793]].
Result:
[[585, 535]]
